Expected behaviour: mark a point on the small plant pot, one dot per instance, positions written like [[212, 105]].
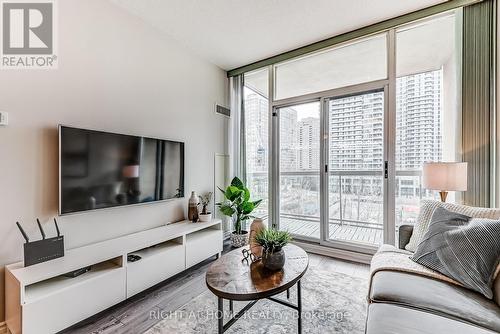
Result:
[[273, 261], [239, 240], [205, 217]]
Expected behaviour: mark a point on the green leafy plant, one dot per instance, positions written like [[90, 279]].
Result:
[[272, 240], [237, 203]]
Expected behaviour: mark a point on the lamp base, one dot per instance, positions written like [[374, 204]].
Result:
[[443, 195]]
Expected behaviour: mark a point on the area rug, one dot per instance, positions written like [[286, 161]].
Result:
[[331, 302]]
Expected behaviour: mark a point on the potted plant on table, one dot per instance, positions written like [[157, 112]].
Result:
[[272, 242], [238, 206], [205, 200]]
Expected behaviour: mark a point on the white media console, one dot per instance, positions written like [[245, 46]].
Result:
[[40, 300]]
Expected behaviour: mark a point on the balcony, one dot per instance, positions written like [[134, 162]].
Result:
[[355, 203], [308, 226]]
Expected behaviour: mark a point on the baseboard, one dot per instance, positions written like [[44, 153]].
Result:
[[334, 252]]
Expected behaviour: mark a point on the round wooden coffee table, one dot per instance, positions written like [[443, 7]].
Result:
[[232, 278]]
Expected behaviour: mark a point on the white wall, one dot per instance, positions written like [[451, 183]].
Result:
[[115, 73]]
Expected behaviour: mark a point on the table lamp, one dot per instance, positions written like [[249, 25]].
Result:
[[445, 176], [130, 171]]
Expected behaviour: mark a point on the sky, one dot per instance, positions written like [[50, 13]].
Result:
[[307, 110]]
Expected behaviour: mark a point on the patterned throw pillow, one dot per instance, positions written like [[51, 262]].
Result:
[[467, 251], [427, 208]]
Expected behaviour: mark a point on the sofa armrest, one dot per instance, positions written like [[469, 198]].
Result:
[[405, 232]]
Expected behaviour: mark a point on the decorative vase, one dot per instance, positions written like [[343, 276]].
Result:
[[205, 217], [273, 261], [256, 226], [239, 240], [194, 200]]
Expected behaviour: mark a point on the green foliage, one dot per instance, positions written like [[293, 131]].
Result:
[[227, 210], [236, 182], [237, 203], [272, 240]]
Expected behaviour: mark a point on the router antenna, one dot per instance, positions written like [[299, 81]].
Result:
[[41, 229], [22, 232], [57, 228]]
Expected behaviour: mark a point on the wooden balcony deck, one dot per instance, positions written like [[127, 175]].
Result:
[[310, 228]]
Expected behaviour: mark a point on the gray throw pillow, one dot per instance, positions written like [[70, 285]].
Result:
[[466, 250], [427, 208]]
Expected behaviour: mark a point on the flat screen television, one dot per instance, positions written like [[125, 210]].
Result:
[[100, 170]]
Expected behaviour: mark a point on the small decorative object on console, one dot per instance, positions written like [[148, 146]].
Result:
[[272, 242], [193, 207], [237, 205], [205, 200]]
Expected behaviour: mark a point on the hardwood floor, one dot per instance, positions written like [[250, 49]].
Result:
[[133, 315]]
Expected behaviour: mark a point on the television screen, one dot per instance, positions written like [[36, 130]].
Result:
[[101, 170]]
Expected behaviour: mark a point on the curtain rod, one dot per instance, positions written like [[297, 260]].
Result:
[[367, 30]]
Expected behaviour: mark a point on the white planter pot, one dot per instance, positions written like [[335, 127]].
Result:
[[205, 217]]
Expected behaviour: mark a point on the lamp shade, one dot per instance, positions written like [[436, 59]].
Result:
[[131, 171], [445, 176]]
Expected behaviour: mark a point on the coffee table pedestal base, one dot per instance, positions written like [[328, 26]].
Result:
[[224, 327]]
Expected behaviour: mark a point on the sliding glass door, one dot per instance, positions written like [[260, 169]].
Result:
[[329, 175], [299, 172], [355, 176], [331, 168]]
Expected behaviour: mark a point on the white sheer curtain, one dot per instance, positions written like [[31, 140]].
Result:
[[236, 128]]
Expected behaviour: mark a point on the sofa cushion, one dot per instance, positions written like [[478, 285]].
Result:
[[404, 235], [435, 296], [466, 251], [393, 319], [427, 208]]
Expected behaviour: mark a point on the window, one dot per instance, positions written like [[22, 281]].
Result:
[[256, 115], [361, 61], [426, 107], [337, 135]]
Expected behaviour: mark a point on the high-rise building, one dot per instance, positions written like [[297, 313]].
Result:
[[356, 132], [418, 120], [288, 140], [256, 133], [256, 144], [308, 143], [418, 127]]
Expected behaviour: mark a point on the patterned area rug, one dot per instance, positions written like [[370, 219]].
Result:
[[331, 302]]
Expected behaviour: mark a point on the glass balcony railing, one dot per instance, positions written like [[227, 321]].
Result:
[[356, 202]]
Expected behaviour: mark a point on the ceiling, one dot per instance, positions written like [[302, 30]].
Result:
[[233, 33]]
